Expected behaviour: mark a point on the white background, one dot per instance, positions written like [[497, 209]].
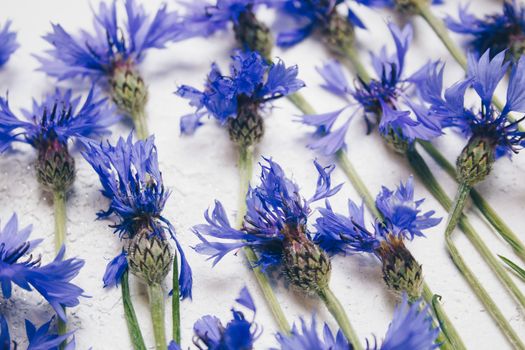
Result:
[[202, 168]]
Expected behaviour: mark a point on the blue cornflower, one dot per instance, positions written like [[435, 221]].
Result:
[[307, 338], [48, 127], [239, 333], [41, 338], [58, 118], [18, 266], [113, 44], [411, 328], [496, 32], [402, 219], [275, 210], [500, 135], [131, 180], [339, 234], [389, 98], [9, 43], [238, 98]]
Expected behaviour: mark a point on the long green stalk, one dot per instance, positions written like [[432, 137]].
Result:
[[441, 31], [353, 58], [175, 302], [59, 204], [156, 303], [131, 317], [426, 176], [245, 172], [484, 207], [336, 309]]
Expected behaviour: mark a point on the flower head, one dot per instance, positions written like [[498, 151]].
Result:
[[19, 266], [307, 338], [238, 97], [273, 206], [239, 333], [501, 135], [411, 328], [59, 117], [42, 338], [131, 180], [9, 44], [114, 42], [338, 234], [388, 98], [497, 32]]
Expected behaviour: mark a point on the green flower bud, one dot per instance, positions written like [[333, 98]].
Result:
[[149, 257], [401, 272], [253, 34], [247, 128], [55, 167], [128, 90], [306, 266], [397, 143], [338, 34], [476, 160], [410, 7]]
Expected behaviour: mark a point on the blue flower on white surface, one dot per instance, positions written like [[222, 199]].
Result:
[[389, 98], [238, 333], [484, 75], [131, 179], [272, 206], [251, 83], [20, 267], [411, 329], [114, 41], [496, 32]]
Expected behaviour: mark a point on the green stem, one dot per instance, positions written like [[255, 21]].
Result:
[[140, 123], [175, 302], [59, 202], [357, 65], [484, 207], [426, 176], [456, 210], [357, 183], [156, 304], [336, 309], [442, 32], [451, 334], [300, 102], [245, 172], [131, 317]]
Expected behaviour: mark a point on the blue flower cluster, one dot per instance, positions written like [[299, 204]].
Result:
[[38, 338], [389, 98], [497, 32], [112, 44], [19, 266], [131, 180], [339, 234], [58, 118], [239, 333], [484, 75], [411, 328], [252, 82], [272, 206], [9, 43]]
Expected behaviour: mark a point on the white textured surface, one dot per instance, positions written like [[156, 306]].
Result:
[[202, 168]]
